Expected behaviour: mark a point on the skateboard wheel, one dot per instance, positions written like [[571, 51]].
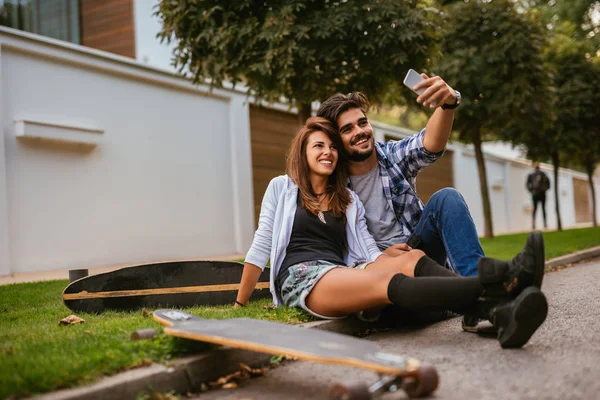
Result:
[[353, 391], [423, 384]]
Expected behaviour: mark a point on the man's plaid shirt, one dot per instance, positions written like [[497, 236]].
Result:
[[400, 162]]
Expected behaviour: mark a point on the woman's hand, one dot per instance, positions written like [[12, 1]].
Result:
[[397, 250], [238, 304]]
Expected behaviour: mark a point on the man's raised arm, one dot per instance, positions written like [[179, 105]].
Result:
[[444, 99]]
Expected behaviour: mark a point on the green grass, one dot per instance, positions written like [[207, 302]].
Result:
[[37, 355], [556, 243]]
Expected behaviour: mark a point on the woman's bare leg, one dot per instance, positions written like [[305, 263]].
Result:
[[344, 291], [404, 264]]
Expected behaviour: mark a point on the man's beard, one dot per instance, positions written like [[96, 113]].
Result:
[[357, 156]]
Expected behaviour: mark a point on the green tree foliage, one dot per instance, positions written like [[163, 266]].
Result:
[[579, 13], [493, 54], [303, 51], [577, 80]]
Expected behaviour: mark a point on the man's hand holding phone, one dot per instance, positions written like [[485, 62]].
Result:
[[432, 92]]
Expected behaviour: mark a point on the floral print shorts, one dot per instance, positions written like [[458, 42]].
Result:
[[302, 279]]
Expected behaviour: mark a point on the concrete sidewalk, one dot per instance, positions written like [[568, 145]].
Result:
[[58, 274], [187, 374]]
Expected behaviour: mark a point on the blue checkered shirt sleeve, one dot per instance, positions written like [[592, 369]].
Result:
[[410, 155]]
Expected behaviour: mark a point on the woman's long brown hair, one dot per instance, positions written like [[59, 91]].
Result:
[[299, 171]]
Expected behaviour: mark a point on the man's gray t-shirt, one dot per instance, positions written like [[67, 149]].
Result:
[[380, 217]]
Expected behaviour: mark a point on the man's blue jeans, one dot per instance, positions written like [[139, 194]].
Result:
[[446, 231]]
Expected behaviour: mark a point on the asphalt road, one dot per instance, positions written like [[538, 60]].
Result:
[[561, 361]]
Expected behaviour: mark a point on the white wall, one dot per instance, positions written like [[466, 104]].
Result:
[[4, 239], [512, 207], [169, 176]]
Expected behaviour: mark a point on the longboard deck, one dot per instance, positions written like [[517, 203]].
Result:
[[276, 338], [171, 284]]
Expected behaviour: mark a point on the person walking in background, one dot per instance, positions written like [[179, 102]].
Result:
[[538, 184]]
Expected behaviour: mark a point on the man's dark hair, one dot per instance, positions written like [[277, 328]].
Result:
[[339, 103]]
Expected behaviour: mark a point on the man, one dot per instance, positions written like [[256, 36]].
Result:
[[538, 184], [384, 177]]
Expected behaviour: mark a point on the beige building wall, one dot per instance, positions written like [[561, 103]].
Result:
[[272, 132]]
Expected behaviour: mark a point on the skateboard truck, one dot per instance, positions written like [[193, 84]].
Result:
[[422, 384]]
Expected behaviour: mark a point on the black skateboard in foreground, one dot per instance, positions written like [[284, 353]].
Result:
[[170, 284], [396, 372]]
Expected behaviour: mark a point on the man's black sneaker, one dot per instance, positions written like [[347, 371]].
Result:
[[502, 279], [518, 319]]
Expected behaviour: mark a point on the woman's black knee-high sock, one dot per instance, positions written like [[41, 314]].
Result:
[[454, 293], [427, 267]]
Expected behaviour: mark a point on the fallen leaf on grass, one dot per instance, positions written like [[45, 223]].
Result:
[[271, 307], [146, 313], [143, 334], [71, 319]]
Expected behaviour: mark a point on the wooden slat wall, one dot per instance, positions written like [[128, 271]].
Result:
[[435, 177], [108, 25], [583, 212], [271, 133]]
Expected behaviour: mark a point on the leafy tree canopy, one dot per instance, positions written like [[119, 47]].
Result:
[[493, 55], [577, 79], [301, 50]]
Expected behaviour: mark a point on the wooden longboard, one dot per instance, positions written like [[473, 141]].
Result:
[[276, 338], [171, 284]]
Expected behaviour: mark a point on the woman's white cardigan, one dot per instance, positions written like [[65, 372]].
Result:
[[275, 225]]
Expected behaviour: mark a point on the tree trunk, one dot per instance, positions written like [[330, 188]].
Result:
[[556, 163], [485, 194], [304, 112], [590, 174]]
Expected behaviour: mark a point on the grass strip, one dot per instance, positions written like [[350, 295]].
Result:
[[556, 243]]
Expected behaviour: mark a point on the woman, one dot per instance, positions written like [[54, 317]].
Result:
[[323, 259]]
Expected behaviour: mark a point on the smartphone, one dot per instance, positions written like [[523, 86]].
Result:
[[411, 79]]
